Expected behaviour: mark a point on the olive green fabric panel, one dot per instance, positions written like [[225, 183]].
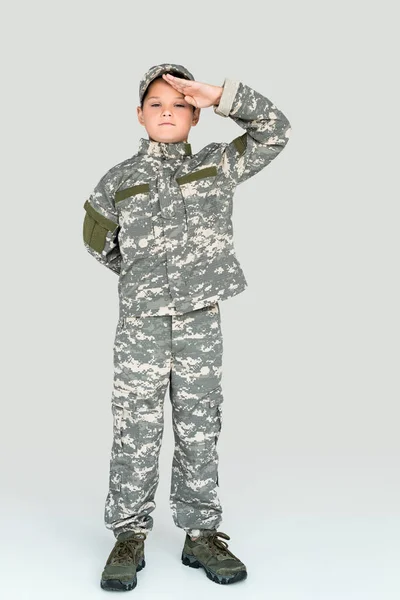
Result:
[[240, 143], [94, 234], [99, 218], [95, 227], [131, 191], [207, 172], [88, 226]]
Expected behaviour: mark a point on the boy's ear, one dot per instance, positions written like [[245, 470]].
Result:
[[196, 116], [140, 115]]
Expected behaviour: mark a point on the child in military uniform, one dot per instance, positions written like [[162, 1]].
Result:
[[162, 221]]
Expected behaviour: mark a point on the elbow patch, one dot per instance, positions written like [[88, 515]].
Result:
[[95, 227]]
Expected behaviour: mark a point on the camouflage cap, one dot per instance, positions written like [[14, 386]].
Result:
[[157, 70]]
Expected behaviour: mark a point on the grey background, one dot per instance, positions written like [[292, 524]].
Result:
[[309, 450]]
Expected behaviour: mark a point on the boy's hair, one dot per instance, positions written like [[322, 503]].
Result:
[[161, 77]]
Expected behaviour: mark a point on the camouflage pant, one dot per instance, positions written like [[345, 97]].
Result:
[[184, 351]]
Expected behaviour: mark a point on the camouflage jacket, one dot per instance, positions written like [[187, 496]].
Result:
[[162, 219]]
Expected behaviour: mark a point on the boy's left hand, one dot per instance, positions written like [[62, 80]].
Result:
[[200, 95]]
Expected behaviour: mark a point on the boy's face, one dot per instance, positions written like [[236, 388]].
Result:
[[163, 103]]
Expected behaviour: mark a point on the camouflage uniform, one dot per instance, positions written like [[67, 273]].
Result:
[[162, 221]]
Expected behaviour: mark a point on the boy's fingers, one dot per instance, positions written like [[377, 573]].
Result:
[[177, 80], [169, 80], [173, 77]]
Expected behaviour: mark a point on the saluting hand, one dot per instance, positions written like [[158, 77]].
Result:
[[200, 95]]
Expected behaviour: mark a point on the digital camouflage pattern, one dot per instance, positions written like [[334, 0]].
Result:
[[185, 352], [162, 219], [157, 70]]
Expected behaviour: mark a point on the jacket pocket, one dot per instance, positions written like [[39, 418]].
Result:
[[198, 197], [95, 228], [136, 220], [196, 185]]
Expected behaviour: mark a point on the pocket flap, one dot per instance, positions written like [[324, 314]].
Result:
[[195, 175], [115, 480], [99, 218], [215, 396], [142, 188]]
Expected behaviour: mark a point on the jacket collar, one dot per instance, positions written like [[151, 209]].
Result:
[[164, 149]]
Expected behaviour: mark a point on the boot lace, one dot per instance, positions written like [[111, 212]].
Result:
[[125, 549], [218, 546]]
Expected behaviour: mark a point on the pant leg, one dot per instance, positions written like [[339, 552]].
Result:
[[141, 376], [196, 398]]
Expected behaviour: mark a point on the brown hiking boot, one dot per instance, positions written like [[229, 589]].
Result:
[[212, 554], [125, 559]]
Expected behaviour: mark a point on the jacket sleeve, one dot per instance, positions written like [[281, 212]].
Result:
[[267, 130], [101, 226]]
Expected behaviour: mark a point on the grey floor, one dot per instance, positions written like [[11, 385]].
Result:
[[305, 532]]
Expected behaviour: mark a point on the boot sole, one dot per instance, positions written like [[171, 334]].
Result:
[[116, 585], [191, 561]]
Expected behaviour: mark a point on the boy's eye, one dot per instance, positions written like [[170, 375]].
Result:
[[158, 104]]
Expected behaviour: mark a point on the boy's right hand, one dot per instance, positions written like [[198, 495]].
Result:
[[200, 95]]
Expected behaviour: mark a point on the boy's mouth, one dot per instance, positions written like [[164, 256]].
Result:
[[167, 124]]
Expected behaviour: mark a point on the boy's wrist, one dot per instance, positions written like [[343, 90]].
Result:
[[218, 97]]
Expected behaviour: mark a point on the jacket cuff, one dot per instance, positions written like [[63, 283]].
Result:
[[228, 95]]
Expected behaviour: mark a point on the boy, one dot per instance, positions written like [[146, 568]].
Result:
[[162, 221]]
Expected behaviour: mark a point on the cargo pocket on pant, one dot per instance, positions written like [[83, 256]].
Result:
[[215, 400], [117, 450], [115, 480]]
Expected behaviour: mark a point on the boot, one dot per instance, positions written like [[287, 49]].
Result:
[[125, 559], [211, 553]]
